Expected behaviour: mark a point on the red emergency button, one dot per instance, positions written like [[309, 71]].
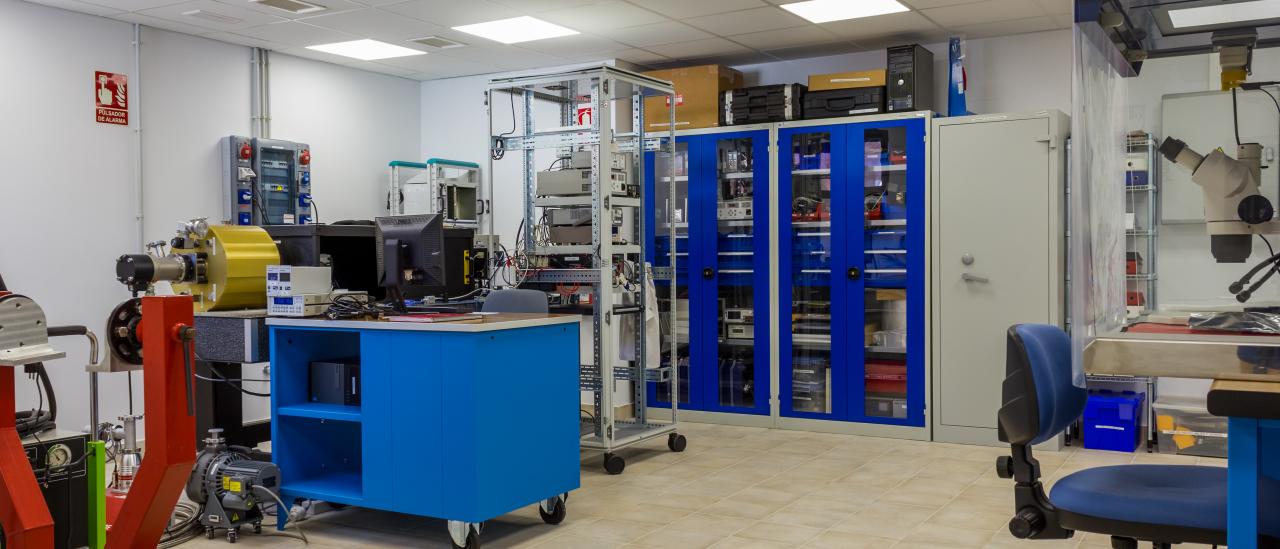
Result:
[[245, 151], [305, 157]]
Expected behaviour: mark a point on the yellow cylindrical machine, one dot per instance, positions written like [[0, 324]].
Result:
[[234, 260]]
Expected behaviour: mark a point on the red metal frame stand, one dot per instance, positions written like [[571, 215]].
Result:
[[170, 430], [23, 512]]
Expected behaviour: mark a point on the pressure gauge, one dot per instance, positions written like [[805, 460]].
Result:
[[58, 455]]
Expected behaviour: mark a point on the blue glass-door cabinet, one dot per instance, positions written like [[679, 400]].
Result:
[[851, 255], [721, 251]]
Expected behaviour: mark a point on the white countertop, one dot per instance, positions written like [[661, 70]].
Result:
[[488, 323]]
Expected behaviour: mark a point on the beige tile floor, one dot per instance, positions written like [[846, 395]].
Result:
[[747, 488]]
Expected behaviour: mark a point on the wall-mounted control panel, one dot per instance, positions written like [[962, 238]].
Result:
[[267, 181]]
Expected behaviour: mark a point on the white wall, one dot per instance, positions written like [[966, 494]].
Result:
[[69, 192], [68, 195], [355, 122]]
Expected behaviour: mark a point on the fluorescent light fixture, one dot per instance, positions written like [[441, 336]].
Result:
[[822, 11], [292, 6], [366, 50], [516, 29], [1219, 14]]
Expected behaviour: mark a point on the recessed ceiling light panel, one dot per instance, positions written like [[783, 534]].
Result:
[[822, 11], [366, 50], [516, 29]]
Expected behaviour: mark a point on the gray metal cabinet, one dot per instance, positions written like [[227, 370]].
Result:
[[997, 227]]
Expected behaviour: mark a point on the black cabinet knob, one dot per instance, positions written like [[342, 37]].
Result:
[[707, 273], [854, 273]]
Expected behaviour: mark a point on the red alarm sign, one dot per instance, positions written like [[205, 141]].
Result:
[[111, 98]]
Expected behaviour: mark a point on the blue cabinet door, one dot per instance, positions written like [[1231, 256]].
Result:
[[887, 182], [664, 250], [818, 287], [731, 350], [721, 252]]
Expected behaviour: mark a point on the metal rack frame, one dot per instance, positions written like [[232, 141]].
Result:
[[606, 84], [1146, 279]]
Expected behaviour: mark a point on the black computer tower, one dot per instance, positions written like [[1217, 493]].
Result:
[[335, 383], [65, 488], [910, 79]]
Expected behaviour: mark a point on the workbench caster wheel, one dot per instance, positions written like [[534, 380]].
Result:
[[554, 510], [614, 464], [233, 534], [466, 532], [676, 442], [209, 533], [257, 527]]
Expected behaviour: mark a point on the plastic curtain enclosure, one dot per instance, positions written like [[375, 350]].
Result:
[[1096, 202]]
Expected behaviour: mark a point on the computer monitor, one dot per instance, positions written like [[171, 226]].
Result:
[[410, 253]]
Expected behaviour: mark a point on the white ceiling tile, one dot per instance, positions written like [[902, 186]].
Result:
[[231, 38], [376, 3], [657, 33], [706, 47], [983, 12], [926, 4], [316, 55], [293, 33], [376, 24], [247, 17], [576, 44], [331, 6], [160, 23], [134, 5], [534, 7], [602, 16], [747, 21], [434, 63], [681, 9], [452, 13], [786, 38], [881, 25], [82, 7], [641, 56], [1006, 28]]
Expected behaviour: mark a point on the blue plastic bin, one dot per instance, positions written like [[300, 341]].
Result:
[[1113, 420]]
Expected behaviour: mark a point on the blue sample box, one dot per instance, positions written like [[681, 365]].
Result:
[[1113, 421]]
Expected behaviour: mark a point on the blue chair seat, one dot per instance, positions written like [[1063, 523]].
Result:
[[1185, 496]]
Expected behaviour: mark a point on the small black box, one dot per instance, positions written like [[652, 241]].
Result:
[[335, 383], [910, 79], [844, 102], [761, 104]]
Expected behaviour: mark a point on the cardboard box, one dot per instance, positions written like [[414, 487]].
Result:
[[842, 80], [698, 92]]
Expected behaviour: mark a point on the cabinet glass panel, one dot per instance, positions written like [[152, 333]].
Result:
[[811, 268], [884, 170], [735, 260], [667, 249]]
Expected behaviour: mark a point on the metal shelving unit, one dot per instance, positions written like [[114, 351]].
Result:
[[597, 105], [1141, 200]]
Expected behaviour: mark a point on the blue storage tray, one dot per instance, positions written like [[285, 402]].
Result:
[[1113, 420], [886, 239], [735, 244]]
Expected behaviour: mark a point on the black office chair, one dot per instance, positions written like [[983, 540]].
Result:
[[515, 301], [1162, 504]]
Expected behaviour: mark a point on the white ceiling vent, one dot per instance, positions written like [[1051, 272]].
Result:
[[214, 17], [438, 42], [292, 6]]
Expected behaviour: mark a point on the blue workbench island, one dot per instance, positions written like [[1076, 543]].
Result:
[[459, 421]]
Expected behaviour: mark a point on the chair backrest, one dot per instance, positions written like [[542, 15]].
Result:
[[1039, 400], [516, 301]]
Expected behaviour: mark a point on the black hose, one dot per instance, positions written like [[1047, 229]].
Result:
[[62, 331]]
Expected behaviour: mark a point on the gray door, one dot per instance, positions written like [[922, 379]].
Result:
[[993, 261]]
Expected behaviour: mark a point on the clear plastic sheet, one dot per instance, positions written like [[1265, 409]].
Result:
[[1257, 322], [1096, 202]]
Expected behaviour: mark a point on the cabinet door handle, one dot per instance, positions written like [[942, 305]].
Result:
[[707, 273], [975, 278], [854, 273]]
